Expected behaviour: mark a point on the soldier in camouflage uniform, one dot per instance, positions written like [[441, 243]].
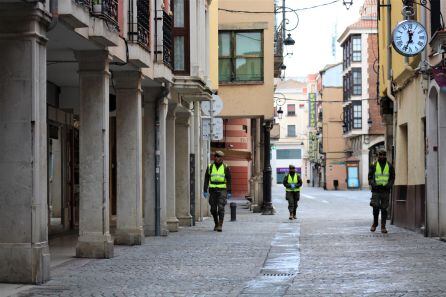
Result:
[[218, 180], [292, 182], [381, 180]]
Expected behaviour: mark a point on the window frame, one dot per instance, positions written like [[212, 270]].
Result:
[[353, 38], [182, 32], [234, 57], [288, 131], [354, 83], [291, 113], [355, 117]]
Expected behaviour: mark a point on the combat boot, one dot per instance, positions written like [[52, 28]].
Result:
[[220, 226], [291, 215], [373, 228], [383, 229], [215, 223], [294, 215]]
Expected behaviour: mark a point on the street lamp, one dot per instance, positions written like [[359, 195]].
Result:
[[280, 113], [347, 3], [289, 40]]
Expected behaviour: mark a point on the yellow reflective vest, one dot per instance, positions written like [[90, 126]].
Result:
[[293, 181], [217, 176], [382, 176]]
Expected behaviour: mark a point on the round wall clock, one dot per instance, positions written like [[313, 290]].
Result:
[[409, 38]]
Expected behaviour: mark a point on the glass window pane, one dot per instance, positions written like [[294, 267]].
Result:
[[288, 154], [179, 53], [291, 130], [248, 43], [357, 57], [224, 44], [224, 69], [178, 13], [250, 69]]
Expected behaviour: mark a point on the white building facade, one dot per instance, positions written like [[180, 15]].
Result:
[[291, 146]]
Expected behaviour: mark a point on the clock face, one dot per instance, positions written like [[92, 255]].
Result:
[[409, 38]]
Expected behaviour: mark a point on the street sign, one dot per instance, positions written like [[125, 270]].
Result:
[[206, 129], [217, 106], [217, 129]]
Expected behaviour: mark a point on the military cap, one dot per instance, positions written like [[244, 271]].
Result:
[[219, 154]]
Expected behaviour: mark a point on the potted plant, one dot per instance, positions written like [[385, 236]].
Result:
[[97, 6]]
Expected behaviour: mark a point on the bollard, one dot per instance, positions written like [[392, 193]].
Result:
[[233, 206]]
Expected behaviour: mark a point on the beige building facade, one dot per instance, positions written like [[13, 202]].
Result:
[[331, 119], [246, 83]]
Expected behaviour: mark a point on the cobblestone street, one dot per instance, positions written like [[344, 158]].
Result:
[[335, 254]]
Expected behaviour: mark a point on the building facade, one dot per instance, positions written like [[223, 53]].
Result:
[[100, 124], [246, 84], [363, 127], [290, 147], [412, 106], [330, 115]]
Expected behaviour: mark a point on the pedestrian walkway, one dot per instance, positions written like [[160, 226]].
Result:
[[328, 251]]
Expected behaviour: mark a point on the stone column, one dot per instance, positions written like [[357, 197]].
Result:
[[172, 221], [129, 158], [24, 252], [257, 190], [198, 161], [162, 138], [149, 163], [94, 235], [182, 166]]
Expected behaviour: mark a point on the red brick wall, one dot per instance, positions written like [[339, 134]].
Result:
[[378, 126]]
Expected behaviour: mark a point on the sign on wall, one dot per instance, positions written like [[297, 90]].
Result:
[[312, 112]]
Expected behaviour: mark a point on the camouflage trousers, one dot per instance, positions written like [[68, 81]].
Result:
[[379, 201], [293, 199], [217, 201]]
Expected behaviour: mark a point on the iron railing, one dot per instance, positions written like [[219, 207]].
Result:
[[109, 11], [168, 40], [85, 3], [139, 31]]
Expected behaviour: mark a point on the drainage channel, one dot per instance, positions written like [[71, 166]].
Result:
[[281, 264]]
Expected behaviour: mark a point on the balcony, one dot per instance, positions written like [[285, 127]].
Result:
[[168, 40], [139, 24], [107, 10], [84, 3]]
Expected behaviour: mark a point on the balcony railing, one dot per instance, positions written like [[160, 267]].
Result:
[[167, 40], [108, 10], [85, 3], [139, 28]]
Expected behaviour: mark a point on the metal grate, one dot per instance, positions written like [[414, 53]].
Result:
[[109, 11], [168, 40]]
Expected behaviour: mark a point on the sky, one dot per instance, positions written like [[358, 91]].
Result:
[[314, 33]]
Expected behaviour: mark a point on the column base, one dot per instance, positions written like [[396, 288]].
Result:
[[173, 224], [269, 210], [24, 263], [255, 208], [150, 231], [95, 248], [186, 221], [129, 237]]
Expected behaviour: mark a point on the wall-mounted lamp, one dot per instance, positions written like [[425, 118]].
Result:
[[347, 3], [289, 40], [280, 113]]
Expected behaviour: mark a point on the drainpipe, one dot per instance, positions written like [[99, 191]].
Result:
[[164, 92]]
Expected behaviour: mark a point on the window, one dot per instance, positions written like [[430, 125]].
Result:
[[291, 131], [291, 110], [356, 42], [356, 82], [286, 154], [435, 13], [181, 37], [240, 56], [357, 115], [352, 50]]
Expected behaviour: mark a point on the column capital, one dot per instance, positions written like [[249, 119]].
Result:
[[24, 20], [171, 112], [93, 61], [183, 118], [127, 80]]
